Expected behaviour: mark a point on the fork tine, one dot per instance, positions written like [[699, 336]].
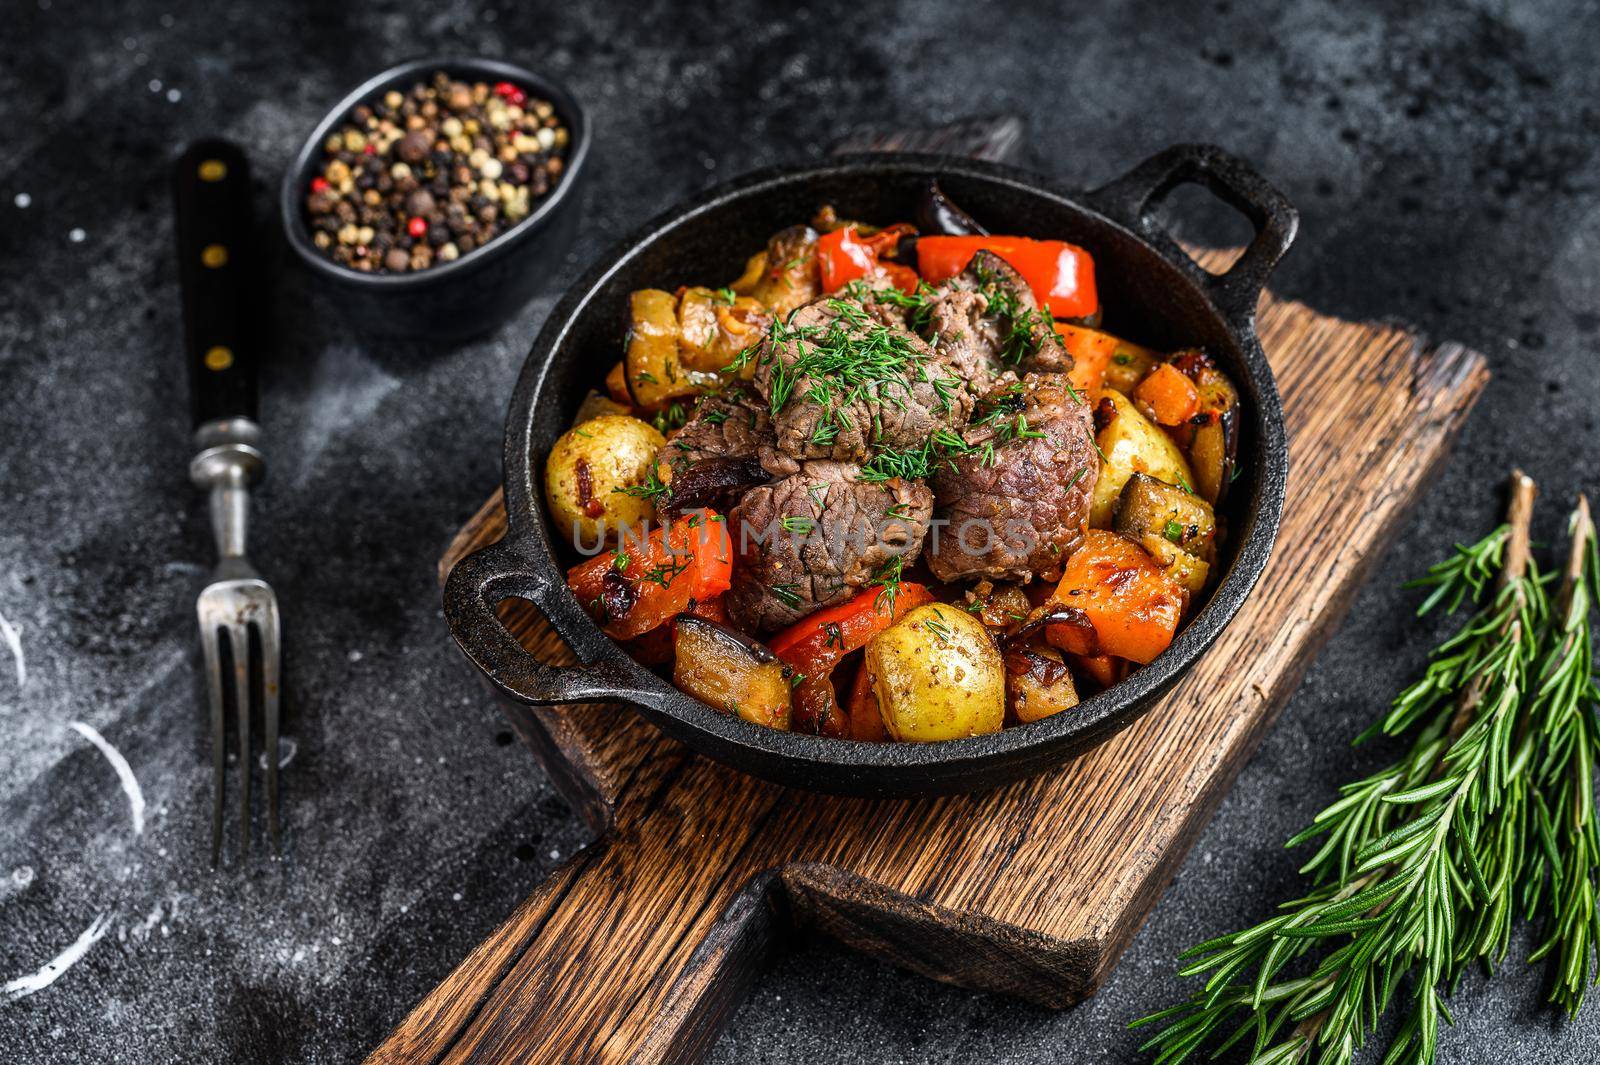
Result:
[[208, 642], [239, 640], [268, 631]]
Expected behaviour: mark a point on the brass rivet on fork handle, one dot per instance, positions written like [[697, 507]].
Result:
[[212, 209]]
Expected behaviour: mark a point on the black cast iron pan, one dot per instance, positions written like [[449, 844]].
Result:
[[1153, 293]]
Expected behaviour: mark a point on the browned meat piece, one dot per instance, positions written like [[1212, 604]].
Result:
[[962, 331], [843, 385], [1017, 512], [987, 316], [715, 457], [810, 540]]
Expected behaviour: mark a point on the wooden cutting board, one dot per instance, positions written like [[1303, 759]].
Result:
[[641, 946]]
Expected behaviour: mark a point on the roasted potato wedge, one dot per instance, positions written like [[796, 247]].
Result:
[[1215, 449], [716, 325], [1212, 439], [595, 405], [588, 470], [1151, 507], [754, 267], [1130, 443], [730, 671], [655, 374], [937, 675], [1188, 571], [1038, 683]]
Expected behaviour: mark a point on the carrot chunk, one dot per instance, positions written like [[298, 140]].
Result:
[[1118, 601], [1168, 396]]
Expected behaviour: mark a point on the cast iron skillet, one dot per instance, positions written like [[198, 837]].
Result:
[[1154, 293]]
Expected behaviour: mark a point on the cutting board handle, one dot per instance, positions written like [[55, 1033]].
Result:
[[634, 950]]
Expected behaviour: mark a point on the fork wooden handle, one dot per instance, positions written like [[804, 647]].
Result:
[[217, 269]]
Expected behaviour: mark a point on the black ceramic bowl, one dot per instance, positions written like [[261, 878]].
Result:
[[482, 288], [1153, 293]]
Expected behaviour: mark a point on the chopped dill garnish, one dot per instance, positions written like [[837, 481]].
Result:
[[653, 489], [887, 579]]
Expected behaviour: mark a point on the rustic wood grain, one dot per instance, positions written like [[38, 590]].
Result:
[[640, 947]]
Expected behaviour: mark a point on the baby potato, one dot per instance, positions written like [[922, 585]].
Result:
[[1130, 444], [937, 676], [586, 469]]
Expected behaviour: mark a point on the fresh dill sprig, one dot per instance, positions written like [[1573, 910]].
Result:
[[1424, 865], [653, 490], [887, 580]]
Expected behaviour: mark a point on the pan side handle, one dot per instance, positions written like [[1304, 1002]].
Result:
[[1131, 199], [477, 585]]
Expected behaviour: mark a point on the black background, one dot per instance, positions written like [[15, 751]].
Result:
[[1443, 161]]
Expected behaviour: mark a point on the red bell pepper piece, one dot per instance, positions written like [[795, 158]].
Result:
[[813, 646], [844, 258], [687, 562], [1060, 274], [844, 255]]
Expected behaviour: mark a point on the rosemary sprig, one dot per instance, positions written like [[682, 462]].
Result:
[[1424, 865], [1561, 880]]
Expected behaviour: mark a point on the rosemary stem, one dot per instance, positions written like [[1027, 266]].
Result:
[[1582, 533], [1519, 515]]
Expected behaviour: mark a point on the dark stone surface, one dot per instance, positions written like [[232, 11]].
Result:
[[1444, 162]]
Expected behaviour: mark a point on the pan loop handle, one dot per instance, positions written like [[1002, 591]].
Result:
[[484, 579], [1132, 198]]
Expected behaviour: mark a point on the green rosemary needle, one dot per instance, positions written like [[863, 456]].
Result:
[[1424, 865]]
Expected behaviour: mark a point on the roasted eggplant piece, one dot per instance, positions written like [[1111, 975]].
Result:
[[1188, 571], [730, 671], [713, 483], [617, 386], [936, 213], [1001, 607], [1154, 508]]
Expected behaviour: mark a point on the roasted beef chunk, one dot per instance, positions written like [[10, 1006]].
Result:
[[715, 457], [1014, 505], [811, 539], [843, 384], [988, 316]]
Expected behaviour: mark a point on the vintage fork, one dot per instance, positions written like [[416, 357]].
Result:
[[237, 607]]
